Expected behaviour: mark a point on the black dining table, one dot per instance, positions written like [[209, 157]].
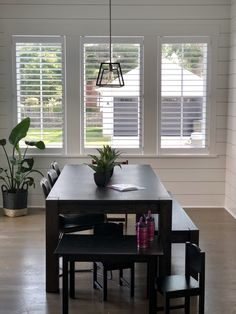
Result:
[[75, 192]]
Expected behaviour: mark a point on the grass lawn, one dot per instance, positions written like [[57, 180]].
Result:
[[94, 136]]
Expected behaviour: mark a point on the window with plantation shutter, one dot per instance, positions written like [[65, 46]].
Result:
[[184, 109], [40, 87], [112, 115]]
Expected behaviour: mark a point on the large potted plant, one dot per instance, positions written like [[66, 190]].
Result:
[[17, 175], [103, 164]]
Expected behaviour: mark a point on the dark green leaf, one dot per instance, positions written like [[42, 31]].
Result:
[[19, 131], [30, 181], [27, 165], [3, 142], [38, 144]]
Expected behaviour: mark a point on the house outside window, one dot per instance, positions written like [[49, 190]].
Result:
[[39, 70], [125, 116], [184, 109], [112, 115]]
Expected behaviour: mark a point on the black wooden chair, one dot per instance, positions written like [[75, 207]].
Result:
[[74, 222], [185, 286], [52, 176], [55, 166], [111, 230]]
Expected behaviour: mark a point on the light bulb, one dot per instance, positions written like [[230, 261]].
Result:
[[110, 78]]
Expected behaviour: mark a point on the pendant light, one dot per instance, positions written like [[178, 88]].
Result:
[[110, 74]]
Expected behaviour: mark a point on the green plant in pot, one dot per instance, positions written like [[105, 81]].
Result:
[[109, 153], [103, 164], [17, 176]]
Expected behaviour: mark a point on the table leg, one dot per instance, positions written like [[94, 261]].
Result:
[[65, 286], [152, 291], [165, 225], [72, 279], [52, 234]]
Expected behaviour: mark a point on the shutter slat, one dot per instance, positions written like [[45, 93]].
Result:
[[39, 82], [112, 115], [184, 95]]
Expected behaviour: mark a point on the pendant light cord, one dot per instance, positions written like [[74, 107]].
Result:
[[110, 26], [110, 74]]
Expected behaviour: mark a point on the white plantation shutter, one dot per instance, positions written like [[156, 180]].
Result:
[[40, 87], [113, 115], [184, 94]]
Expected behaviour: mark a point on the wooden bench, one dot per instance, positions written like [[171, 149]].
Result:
[[183, 229]]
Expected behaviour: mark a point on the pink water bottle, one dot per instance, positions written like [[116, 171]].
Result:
[[142, 236], [150, 226]]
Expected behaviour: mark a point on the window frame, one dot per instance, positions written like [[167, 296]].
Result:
[[42, 39], [209, 149], [122, 40]]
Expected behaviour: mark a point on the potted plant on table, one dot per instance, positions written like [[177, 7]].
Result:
[[17, 176], [103, 164]]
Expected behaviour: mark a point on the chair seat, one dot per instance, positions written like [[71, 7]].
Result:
[[84, 221], [174, 283]]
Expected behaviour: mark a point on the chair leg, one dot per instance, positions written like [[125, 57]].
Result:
[[126, 220], [120, 277], [167, 305], [201, 304], [132, 281], [104, 284], [72, 280], [187, 305], [147, 284], [95, 275]]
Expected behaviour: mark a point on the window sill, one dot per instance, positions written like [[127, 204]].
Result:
[[140, 156]]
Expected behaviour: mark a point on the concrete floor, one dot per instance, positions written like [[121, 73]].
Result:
[[22, 279]]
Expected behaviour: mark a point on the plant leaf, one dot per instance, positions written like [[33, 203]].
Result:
[[15, 161], [29, 181], [94, 167], [19, 131], [38, 144], [27, 165], [3, 142]]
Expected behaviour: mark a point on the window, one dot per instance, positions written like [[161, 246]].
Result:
[[184, 109], [112, 115], [40, 87]]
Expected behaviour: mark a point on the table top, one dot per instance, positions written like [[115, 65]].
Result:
[[76, 183], [93, 247]]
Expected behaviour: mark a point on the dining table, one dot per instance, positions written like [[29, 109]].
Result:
[[75, 192]]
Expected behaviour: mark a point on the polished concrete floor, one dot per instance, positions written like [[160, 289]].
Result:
[[22, 280]]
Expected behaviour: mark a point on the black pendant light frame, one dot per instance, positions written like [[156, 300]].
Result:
[[110, 73]]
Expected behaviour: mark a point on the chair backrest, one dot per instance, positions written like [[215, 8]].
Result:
[[109, 229], [45, 186], [52, 176], [195, 262], [124, 162], [55, 166]]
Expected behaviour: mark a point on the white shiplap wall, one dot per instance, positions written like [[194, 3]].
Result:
[[230, 185], [196, 181]]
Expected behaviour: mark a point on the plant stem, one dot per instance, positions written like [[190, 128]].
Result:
[[25, 152], [9, 166]]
